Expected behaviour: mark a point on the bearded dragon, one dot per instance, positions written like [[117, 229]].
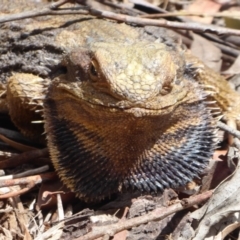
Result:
[[122, 109]]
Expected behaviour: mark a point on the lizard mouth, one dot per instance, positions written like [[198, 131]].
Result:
[[135, 109], [103, 100], [109, 103]]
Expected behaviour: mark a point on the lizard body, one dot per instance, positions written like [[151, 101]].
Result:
[[130, 126], [128, 113]]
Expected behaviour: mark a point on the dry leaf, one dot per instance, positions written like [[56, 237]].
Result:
[[207, 52], [121, 235], [203, 6], [224, 203]]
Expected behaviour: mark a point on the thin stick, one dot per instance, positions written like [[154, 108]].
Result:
[[48, 10], [17, 193], [230, 130], [155, 215], [164, 23], [26, 173], [60, 207], [187, 13], [37, 179], [23, 158]]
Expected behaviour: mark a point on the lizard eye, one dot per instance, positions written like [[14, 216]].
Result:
[[94, 70]]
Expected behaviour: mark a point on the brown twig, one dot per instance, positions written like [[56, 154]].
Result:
[[15, 136], [230, 130], [164, 23], [30, 182], [19, 213], [17, 193], [23, 158], [58, 4], [155, 215], [37, 179], [4, 154], [188, 13], [51, 9], [16, 145]]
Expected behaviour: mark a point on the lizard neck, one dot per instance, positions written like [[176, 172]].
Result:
[[110, 150]]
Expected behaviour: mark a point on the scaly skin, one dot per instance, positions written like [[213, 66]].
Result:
[[129, 112], [121, 120]]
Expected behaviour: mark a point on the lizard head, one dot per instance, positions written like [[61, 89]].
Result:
[[135, 73], [138, 78]]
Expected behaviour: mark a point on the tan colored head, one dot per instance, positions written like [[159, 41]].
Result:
[[141, 75], [136, 73]]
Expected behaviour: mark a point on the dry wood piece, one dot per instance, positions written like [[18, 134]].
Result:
[[156, 214]]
